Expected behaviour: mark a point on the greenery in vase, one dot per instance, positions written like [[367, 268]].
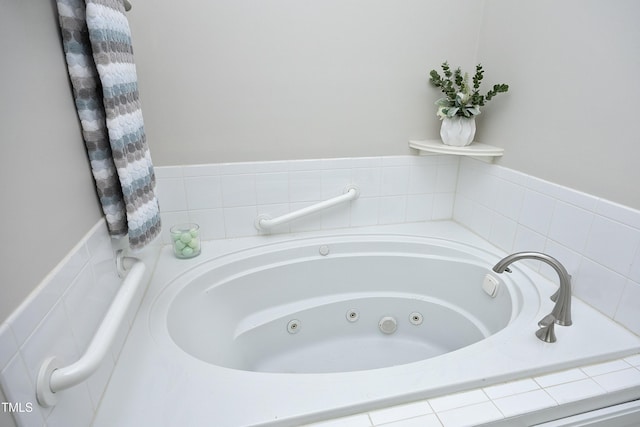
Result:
[[461, 99]]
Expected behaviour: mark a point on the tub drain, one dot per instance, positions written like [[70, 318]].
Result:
[[293, 326]]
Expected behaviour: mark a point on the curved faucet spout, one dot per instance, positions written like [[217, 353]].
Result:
[[562, 309]]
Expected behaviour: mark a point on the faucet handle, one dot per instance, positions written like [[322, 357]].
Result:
[[546, 332]]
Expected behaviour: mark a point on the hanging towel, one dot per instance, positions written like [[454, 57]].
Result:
[[97, 44]]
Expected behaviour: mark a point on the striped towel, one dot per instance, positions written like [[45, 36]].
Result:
[[97, 44]]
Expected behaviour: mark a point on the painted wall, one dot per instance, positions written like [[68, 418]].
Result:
[[288, 79], [46, 188], [571, 115], [244, 80]]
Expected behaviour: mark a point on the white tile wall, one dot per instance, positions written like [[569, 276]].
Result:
[[598, 241], [225, 198], [627, 313], [59, 319]]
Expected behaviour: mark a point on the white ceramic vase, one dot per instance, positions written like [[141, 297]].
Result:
[[458, 131]]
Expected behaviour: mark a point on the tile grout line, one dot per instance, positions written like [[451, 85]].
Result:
[[540, 387]]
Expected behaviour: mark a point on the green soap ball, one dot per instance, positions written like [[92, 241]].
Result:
[[179, 245], [187, 251], [193, 232], [176, 236], [186, 237], [193, 244]]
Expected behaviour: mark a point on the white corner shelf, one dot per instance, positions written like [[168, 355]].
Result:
[[478, 150]]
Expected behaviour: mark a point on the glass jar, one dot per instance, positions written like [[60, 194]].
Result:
[[185, 239]]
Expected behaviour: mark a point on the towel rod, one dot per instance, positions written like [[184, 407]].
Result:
[[265, 222], [53, 378]]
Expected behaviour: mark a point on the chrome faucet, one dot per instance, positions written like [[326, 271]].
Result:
[[561, 313]]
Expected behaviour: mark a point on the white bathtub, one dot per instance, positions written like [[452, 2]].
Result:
[[282, 330], [315, 305]]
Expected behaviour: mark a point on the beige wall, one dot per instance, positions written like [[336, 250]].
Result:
[[239, 80], [235, 80], [572, 114], [46, 189]]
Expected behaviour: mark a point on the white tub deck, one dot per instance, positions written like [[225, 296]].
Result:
[[156, 384]]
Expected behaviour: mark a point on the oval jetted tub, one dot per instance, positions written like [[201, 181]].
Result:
[[342, 305], [284, 330]]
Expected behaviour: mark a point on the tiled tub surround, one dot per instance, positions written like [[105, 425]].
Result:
[[59, 319], [597, 241], [224, 199]]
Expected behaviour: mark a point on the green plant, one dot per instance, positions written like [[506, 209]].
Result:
[[460, 99]]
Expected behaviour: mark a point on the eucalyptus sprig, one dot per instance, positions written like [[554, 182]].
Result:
[[460, 99]]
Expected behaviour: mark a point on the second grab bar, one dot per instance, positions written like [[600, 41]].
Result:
[[266, 223], [53, 378]]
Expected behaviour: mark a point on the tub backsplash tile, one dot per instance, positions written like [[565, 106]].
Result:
[[628, 314], [202, 192], [570, 225], [393, 189], [612, 244], [172, 193], [304, 186], [272, 188], [599, 286], [619, 213], [238, 190], [537, 211], [59, 319], [395, 180], [598, 241]]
